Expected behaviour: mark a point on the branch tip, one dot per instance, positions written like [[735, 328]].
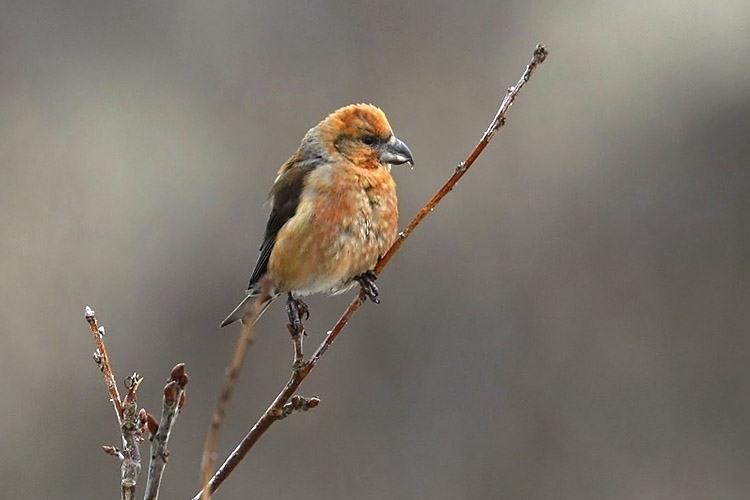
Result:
[[133, 381], [177, 372], [171, 392], [540, 53], [172, 400]]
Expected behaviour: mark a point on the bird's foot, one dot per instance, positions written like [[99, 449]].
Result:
[[296, 309], [367, 281]]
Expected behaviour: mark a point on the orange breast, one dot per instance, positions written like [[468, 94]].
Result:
[[346, 219]]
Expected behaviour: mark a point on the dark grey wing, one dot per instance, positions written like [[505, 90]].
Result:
[[279, 216], [285, 195]]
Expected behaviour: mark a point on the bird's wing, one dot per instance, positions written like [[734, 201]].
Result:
[[285, 195]]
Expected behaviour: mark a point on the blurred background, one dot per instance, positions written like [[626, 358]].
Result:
[[570, 323]]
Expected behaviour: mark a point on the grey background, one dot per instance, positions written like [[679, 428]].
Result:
[[571, 323]]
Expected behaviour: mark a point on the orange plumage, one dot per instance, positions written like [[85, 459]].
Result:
[[334, 211]]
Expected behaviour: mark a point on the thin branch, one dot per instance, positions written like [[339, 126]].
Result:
[[129, 419], [232, 374], [172, 403], [102, 359], [132, 434], [540, 54], [278, 408], [297, 339]]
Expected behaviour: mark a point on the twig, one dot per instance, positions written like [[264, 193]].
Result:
[[102, 359], [132, 434], [233, 372], [172, 403], [540, 54], [129, 419], [278, 408], [297, 336]]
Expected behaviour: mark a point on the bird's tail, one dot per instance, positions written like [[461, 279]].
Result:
[[244, 307]]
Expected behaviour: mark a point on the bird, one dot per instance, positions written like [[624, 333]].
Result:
[[334, 213]]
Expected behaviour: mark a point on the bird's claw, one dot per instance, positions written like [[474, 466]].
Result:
[[367, 281], [296, 309]]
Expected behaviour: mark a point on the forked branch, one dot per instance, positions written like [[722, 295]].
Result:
[[129, 419], [134, 423]]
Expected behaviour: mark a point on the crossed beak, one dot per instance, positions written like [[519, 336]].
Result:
[[396, 152]]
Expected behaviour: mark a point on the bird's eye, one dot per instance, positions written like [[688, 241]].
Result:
[[369, 140]]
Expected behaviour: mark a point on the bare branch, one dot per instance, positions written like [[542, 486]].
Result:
[[233, 373], [132, 434], [172, 403], [128, 417], [102, 359], [540, 54], [282, 406], [297, 338]]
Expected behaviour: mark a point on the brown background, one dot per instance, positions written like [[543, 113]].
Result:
[[571, 323]]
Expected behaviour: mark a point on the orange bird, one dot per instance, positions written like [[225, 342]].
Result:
[[334, 212]]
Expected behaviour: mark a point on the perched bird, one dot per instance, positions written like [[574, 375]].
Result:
[[334, 212]]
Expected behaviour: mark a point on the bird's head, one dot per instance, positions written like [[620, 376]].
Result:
[[361, 133]]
